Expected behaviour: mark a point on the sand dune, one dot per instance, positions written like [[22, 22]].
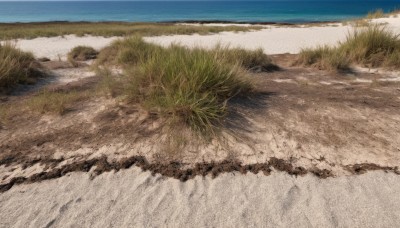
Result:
[[274, 40], [58, 47], [132, 198]]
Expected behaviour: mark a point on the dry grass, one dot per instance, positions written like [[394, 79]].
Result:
[[82, 53], [16, 67], [323, 58], [50, 29], [55, 102], [372, 46], [130, 50], [191, 86], [188, 86], [251, 60], [379, 13]]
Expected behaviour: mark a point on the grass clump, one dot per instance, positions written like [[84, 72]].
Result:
[[379, 13], [251, 60], [131, 50], [16, 67], [323, 58], [55, 102], [372, 46], [82, 53], [189, 85], [126, 52]]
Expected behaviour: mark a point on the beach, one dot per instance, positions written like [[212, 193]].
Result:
[[135, 198], [315, 149], [273, 39]]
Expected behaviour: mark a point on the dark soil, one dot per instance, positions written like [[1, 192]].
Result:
[[172, 169]]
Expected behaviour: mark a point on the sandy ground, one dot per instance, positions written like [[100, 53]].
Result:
[[56, 48], [311, 118], [132, 198], [273, 39]]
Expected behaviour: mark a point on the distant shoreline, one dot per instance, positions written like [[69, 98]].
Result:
[[247, 22], [177, 22]]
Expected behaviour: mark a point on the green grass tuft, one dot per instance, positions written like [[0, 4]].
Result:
[[188, 85], [379, 13], [372, 46], [131, 50], [55, 102], [191, 86], [323, 58], [128, 51], [251, 60], [16, 67], [82, 53]]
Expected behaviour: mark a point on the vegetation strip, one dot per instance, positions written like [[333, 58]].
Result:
[[108, 29], [371, 46]]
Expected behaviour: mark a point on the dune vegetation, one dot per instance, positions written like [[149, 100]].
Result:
[[192, 86], [16, 67], [379, 13], [55, 102], [107, 29], [372, 46], [82, 53]]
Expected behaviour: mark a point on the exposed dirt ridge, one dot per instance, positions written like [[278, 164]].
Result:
[[175, 170]]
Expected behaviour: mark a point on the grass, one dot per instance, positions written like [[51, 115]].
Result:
[[323, 58], [107, 29], [82, 53], [55, 102], [372, 46], [131, 50], [4, 113], [251, 60], [379, 13], [16, 67], [127, 52], [190, 86]]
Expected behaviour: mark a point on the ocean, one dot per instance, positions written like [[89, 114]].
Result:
[[289, 11]]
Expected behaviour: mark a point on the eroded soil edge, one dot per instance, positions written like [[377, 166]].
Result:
[[175, 169]]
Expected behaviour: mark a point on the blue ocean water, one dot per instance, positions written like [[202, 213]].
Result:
[[149, 11]]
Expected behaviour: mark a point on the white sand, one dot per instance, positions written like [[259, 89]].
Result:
[[274, 40], [58, 47], [132, 198]]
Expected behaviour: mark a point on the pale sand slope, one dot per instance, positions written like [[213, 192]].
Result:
[[132, 198], [58, 47], [274, 40]]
